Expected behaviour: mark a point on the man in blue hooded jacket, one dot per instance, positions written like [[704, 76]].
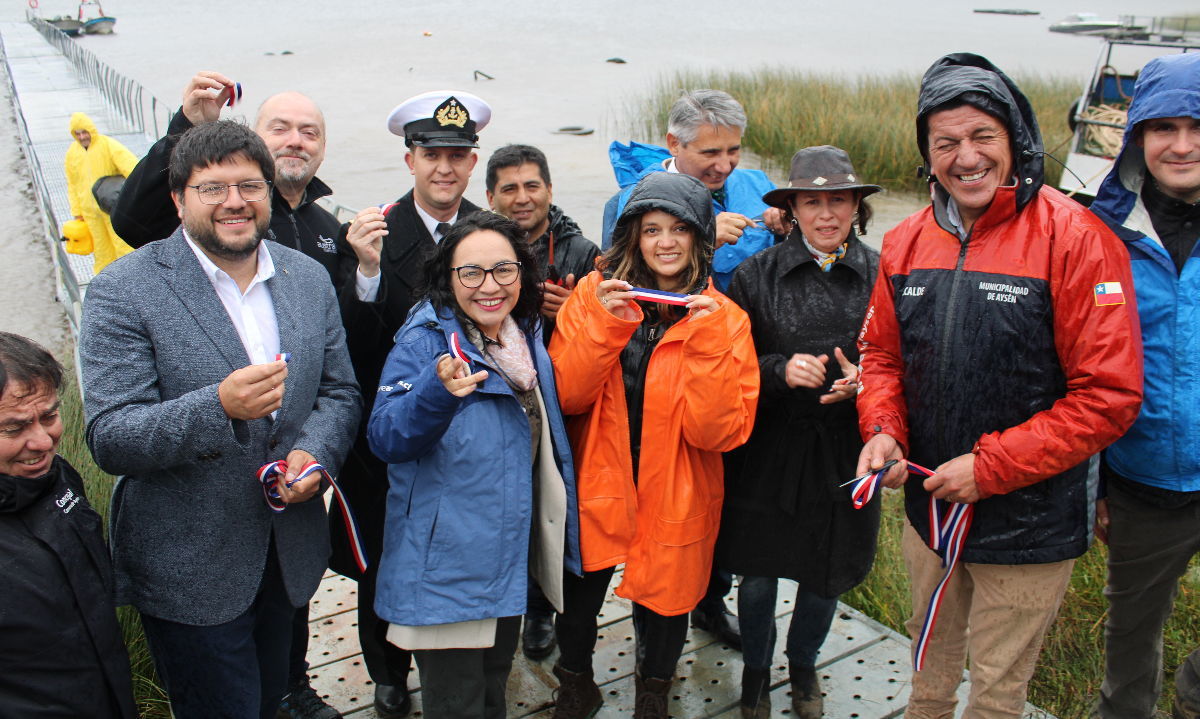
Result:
[[704, 140], [1151, 516]]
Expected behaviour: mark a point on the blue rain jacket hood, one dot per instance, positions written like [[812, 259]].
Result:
[[1162, 448], [1166, 87], [964, 73], [460, 502], [743, 194]]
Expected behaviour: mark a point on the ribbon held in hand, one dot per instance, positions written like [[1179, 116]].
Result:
[[270, 474]]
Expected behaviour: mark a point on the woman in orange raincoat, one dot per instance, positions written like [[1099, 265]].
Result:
[[654, 393]]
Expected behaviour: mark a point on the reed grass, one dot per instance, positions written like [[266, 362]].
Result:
[[1071, 667], [151, 699], [871, 117]]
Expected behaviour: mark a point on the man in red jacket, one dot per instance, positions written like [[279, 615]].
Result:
[[1000, 348]]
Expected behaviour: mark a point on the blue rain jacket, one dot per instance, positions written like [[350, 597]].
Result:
[[460, 501], [1162, 449], [744, 190]]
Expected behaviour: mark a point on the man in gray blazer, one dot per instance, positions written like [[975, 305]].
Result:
[[182, 347]]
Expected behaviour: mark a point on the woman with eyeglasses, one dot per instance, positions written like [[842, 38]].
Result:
[[482, 488], [785, 514], [655, 393]]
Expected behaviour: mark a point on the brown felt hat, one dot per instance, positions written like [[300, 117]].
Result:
[[821, 168]]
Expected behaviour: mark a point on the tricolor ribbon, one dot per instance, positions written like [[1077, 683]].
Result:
[[948, 530], [285, 356], [235, 94], [270, 474], [456, 349], [666, 298]]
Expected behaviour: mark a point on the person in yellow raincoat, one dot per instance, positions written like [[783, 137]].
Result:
[[89, 158]]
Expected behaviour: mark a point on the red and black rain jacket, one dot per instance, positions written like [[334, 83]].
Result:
[[1019, 343]]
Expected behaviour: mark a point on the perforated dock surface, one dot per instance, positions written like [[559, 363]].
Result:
[[864, 666]]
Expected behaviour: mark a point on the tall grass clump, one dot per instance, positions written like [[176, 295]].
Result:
[[1071, 667], [151, 699], [872, 117]]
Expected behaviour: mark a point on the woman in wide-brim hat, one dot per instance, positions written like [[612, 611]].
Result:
[[784, 514]]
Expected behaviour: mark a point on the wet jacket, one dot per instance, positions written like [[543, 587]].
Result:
[[104, 156], [700, 391], [1002, 345], [1162, 448], [145, 212], [61, 650], [574, 254], [742, 193], [460, 504], [785, 515]]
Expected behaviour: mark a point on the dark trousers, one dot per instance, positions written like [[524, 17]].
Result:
[[1149, 549], [298, 654], [234, 670], [812, 616], [468, 683], [660, 639], [387, 663]]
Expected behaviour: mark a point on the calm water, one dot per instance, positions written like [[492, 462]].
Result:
[[360, 59]]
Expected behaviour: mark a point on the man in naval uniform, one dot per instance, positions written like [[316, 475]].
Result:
[[383, 253]]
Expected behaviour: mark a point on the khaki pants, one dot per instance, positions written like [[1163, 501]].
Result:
[[998, 613]]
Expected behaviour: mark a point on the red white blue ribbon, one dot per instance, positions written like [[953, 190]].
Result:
[[948, 530], [456, 349], [666, 298], [270, 474], [285, 356], [235, 94]]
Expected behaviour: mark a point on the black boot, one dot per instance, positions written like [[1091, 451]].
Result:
[[756, 693], [650, 698], [807, 701], [537, 638], [577, 696], [715, 619], [392, 701]]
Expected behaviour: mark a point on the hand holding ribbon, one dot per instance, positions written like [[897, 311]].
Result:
[[280, 480]]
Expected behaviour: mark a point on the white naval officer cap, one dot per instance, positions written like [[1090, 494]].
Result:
[[440, 118]]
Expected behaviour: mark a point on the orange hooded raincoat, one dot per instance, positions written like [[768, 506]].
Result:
[[701, 391]]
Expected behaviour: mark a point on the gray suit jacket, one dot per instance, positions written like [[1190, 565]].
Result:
[[189, 526]]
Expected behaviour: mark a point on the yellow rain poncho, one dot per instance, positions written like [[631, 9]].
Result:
[[104, 156]]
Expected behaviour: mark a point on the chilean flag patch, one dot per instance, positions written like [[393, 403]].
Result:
[[1109, 293]]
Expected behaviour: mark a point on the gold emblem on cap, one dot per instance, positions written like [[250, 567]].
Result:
[[451, 113], [819, 181]]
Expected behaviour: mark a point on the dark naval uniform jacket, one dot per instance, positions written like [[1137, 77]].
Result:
[[370, 333]]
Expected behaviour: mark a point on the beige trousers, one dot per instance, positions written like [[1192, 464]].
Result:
[[996, 613]]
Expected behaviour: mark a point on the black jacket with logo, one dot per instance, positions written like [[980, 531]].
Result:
[[145, 211], [61, 649]]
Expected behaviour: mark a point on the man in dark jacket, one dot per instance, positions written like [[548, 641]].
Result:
[[61, 650], [383, 252], [294, 129], [519, 187], [1151, 515], [999, 350]]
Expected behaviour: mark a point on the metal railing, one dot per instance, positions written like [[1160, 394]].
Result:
[[124, 96]]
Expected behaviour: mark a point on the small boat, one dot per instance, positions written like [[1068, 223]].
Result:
[[98, 23], [1088, 23], [68, 25], [1006, 11]]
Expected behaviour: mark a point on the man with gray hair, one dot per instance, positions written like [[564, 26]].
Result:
[[704, 140], [294, 129]]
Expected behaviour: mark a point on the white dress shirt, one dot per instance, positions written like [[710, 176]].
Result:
[[252, 311]]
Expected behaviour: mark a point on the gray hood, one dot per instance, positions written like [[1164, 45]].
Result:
[[680, 195], [992, 91]]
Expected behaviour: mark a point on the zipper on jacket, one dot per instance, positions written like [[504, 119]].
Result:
[[639, 396], [295, 230], [944, 348]]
